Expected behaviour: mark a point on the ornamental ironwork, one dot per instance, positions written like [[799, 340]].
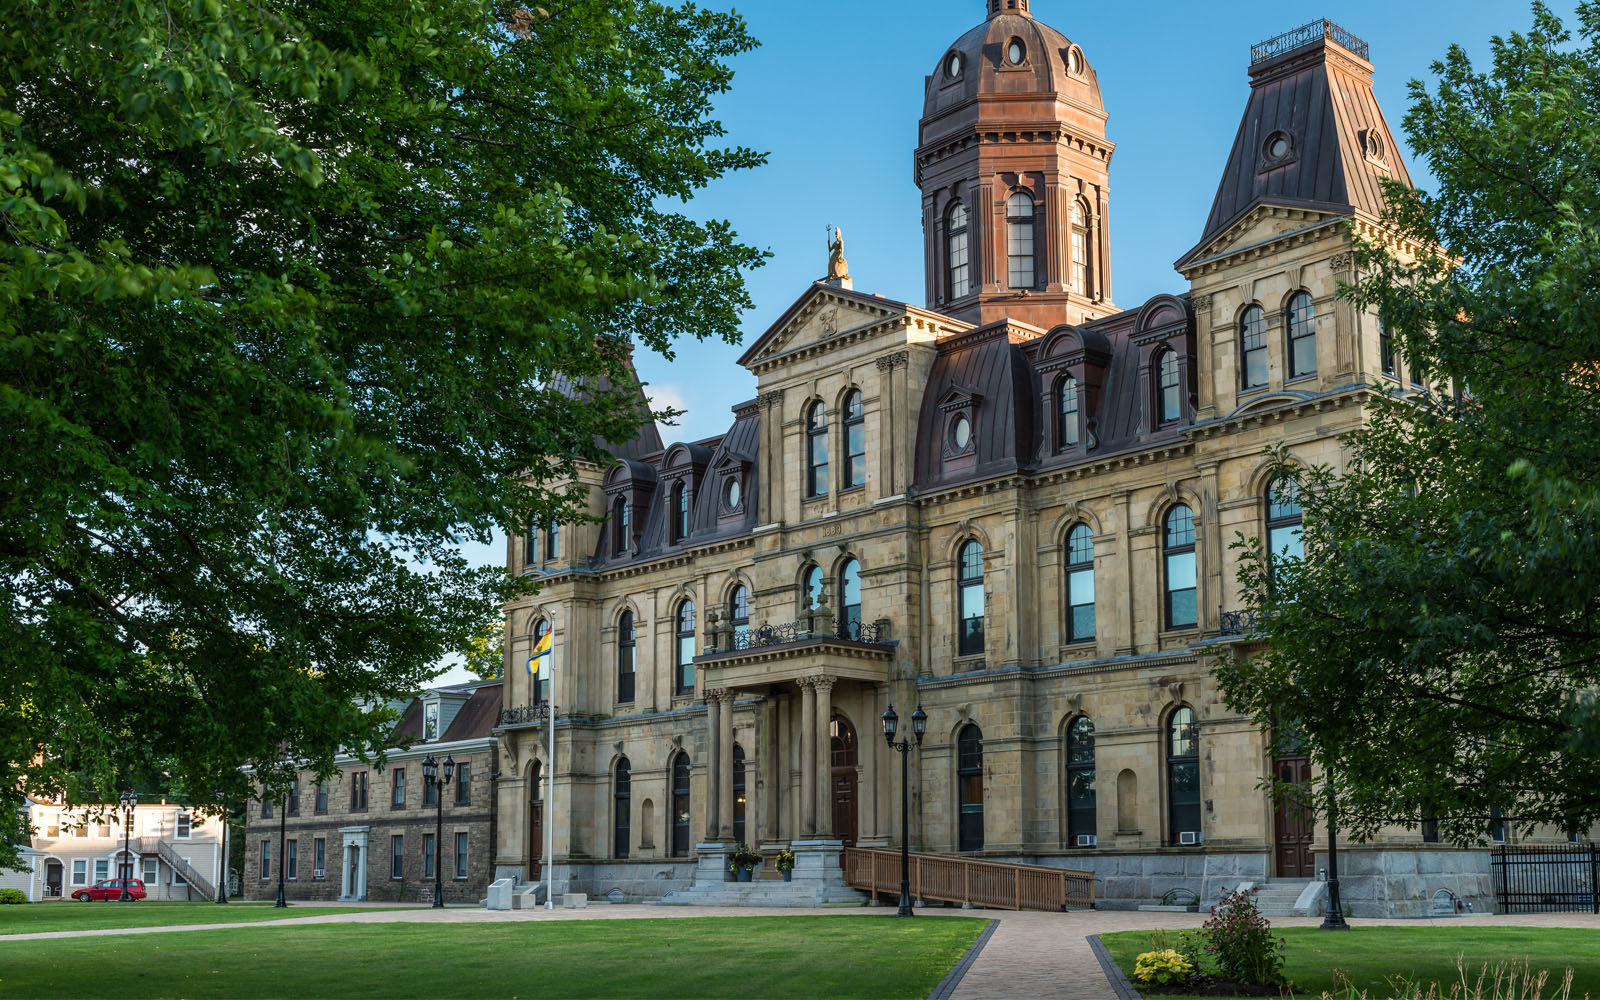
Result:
[[521, 715], [1307, 34], [768, 634], [1237, 623]]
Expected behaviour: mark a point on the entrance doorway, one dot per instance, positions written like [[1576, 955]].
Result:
[[1292, 826], [536, 827], [52, 878], [845, 756]]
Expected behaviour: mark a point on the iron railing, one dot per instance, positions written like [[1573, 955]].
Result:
[[1307, 34], [1546, 879], [1236, 623], [768, 634], [522, 715]]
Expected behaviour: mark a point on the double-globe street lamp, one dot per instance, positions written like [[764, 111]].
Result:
[[129, 799], [919, 725], [283, 831], [432, 778]]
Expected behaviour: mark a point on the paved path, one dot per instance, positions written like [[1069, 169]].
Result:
[[1031, 954]]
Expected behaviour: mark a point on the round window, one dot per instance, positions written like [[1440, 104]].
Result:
[[732, 493], [961, 433], [1374, 149], [1077, 61], [1015, 52], [952, 66], [1277, 145]]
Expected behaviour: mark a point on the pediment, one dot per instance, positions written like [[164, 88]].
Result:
[[1262, 224], [822, 313]]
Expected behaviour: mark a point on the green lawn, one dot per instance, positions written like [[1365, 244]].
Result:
[[1373, 957], [721, 957], [35, 918]]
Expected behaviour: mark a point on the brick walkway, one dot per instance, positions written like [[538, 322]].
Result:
[[1031, 954]]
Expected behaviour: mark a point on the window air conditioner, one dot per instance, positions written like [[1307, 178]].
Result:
[[1188, 838], [1086, 840], [318, 873]]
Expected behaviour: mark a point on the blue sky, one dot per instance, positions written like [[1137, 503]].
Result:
[[835, 90]]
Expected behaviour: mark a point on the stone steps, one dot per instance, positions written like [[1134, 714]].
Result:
[[1277, 897], [764, 893]]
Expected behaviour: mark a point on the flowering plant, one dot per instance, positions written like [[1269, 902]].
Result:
[[785, 860], [743, 857], [1162, 967], [1240, 939]]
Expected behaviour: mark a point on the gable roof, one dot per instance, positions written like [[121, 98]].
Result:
[[774, 334]]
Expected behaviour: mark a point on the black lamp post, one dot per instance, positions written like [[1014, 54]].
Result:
[[431, 777], [1333, 920], [128, 799], [283, 824], [919, 725]]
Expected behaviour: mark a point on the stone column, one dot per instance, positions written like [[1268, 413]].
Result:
[[714, 767], [771, 766], [808, 758], [824, 757], [725, 767]]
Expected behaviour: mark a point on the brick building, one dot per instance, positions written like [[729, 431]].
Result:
[[368, 832]]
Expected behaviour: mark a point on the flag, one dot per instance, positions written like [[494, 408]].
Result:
[[540, 660]]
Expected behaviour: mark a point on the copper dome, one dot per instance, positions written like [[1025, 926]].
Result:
[[982, 62]]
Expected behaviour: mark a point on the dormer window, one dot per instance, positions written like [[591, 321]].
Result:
[[680, 511], [1278, 150], [1067, 422], [732, 494], [960, 434], [952, 66], [1016, 52], [621, 527], [1169, 388], [430, 722]]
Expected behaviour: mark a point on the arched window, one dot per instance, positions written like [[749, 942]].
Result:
[[969, 783], [811, 599], [1080, 583], [969, 581], [1081, 818], [739, 615], [625, 650], [1067, 413], [552, 541], [842, 746], [850, 600], [1253, 348], [1283, 521], [621, 526], [855, 441], [1183, 777], [530, 545], [1168, 390], [622, 810], [817, 450], [1080, 248], [1020, 270], [1301, 321], [680, 511], [738, 794], [1178, 553], [958, 253], [683, 672], [1386, 348], [680, 805], [541, 681]]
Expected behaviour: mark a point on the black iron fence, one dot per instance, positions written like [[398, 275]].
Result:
[[1306, 34], [521, 715], [821, 627], [1546, 879]]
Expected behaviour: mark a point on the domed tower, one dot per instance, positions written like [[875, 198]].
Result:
[[1013, 164]]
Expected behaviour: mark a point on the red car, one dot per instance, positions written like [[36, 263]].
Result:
[[110, 889]]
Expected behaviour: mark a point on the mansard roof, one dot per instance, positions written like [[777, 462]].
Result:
[[647, 439], [1314, 86]]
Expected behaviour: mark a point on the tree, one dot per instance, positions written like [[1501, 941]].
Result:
[[1439, 647], [293, 298], [485, 651]]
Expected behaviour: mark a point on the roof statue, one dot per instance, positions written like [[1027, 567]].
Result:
[[838, 268]]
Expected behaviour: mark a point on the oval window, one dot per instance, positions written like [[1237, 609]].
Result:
[[1077, 61], [1374, 150], [1015, 52], [1277, 146], [952, 66], [961, 433], [732, 493]]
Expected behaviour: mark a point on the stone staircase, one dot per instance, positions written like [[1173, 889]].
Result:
[[818, 881], [1279, 897]]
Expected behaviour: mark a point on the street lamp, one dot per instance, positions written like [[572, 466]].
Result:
[[129, 799], [1333, 920], [432, 778], [283, 829], [919, 725]]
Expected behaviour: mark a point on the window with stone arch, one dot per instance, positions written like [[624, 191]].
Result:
[[541, 682], [1080, 583], [1253, 348], [626, 648], [680, 511], [958, 252], [1021, 271], [970, 599], [621, 527], [683, 661], [1183, 776], [811, 591], [1300, 319], [817, 450], [1080, 247], [622, 808], [850, 600], [739, 615], [681, 817], [1068, 422], [855, 441], [1081, 817], [1283, 521], [1178, 557], [969, 788], [1169, 388]]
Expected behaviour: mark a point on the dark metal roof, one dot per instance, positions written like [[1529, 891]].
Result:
[[1319, 93], [478, 716], [646, 440]]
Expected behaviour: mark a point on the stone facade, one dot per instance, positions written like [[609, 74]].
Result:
[[732, 627]]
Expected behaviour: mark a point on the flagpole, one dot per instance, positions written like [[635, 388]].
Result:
[[550, 778]]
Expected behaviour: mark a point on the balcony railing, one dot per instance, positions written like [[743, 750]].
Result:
[[1237, 623], [820, 626], [522, 715], [1306, 34]]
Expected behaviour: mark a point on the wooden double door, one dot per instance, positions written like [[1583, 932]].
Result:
[[1293, 829]]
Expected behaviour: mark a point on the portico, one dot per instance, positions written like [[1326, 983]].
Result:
[[353, 873]]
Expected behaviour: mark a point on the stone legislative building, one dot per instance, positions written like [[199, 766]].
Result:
[[1011, 504]]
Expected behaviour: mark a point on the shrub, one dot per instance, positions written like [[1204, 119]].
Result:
[[1239, 939], [1161, 968], [785, 860], [13, 896], [1505, 981]]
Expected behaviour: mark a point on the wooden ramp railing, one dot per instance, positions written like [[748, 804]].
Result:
[[996, 884]]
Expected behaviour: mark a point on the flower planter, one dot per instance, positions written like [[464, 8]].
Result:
[[788, 874], [745, 874]]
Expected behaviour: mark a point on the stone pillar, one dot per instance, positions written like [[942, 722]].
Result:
[[725, 767], [713, 760], [808, 758], [824, 757], [772, 767]]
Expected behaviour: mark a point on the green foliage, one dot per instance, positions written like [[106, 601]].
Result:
[[785, 862], [1162, 968], [743, 857], [485, 651], [293, 299], [1438, 650], [10, 896], [1239, 940]]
